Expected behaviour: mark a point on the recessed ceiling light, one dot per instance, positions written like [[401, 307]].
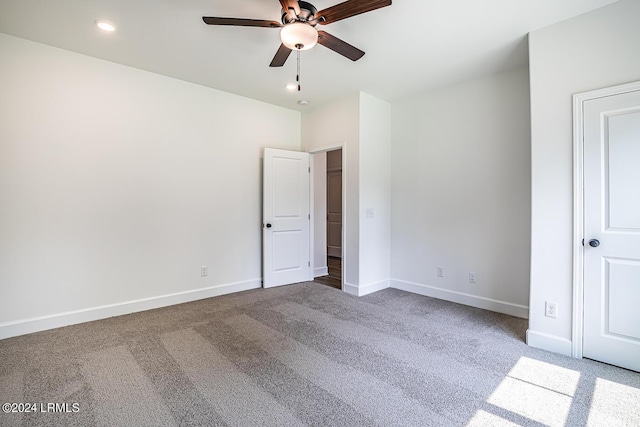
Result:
[[303, 102], [292, 86], [106, 26]]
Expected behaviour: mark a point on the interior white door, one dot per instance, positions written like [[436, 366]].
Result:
[[286, 218], [612, 229]]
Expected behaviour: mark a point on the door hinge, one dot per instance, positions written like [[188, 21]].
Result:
[[308, 263], [309, 169], [309, 216], [582, 242]]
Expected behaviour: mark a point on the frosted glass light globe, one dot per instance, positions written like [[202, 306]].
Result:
[[299, 36]]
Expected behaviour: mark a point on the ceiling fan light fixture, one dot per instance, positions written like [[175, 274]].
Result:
[[299, 36]]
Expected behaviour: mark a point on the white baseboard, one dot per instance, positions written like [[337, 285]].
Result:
[[320, 271], [367, 289], [512, 309], [370, 288], [27, 326], [350, 288], [552, 343]]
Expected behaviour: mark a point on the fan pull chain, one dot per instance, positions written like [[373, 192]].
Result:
[[298, 75]]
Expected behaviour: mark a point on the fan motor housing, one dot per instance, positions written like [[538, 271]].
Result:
[[307, 13]]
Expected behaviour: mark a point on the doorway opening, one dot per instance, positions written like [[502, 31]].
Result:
[[328, 210]]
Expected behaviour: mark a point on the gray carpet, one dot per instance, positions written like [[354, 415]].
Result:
[[308, 354]]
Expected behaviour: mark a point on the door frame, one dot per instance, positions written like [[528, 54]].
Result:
[[323, 149], [578, 206]]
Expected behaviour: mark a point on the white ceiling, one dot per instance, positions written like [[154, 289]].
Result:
[[410, 46]]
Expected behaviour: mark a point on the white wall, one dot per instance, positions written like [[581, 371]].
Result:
[[117, 184], [362, 123], [592, 51], [333, 125], [320, 267], [461, 192], [375, 194]]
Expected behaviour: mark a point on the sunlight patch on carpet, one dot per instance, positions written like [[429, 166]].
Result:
[[538, 391], [610, 401]]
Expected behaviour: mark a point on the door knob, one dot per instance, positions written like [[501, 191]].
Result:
[[594, 243], [268, 225]]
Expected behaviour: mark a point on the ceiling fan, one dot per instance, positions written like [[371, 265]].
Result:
[[299, 19]]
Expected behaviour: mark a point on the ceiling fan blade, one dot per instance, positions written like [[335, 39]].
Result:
[[339, 46], [281, 56], [348, 9], [239, 22], [291, 7]]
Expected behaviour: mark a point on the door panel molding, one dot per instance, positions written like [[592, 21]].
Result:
[[578, 205]]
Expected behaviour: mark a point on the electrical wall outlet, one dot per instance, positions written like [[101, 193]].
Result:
[[472, 277], [551, 309], [440, 271], [204, 271]]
